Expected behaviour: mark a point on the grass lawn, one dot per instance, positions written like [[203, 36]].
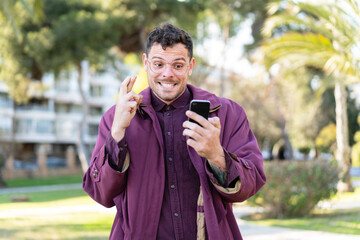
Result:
[[76, 226], [346, 222], [335, 221], [46, 199], [44, 196], [30, 182]]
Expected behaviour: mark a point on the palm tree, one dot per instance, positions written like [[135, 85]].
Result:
[[8, 12], [325, 36]]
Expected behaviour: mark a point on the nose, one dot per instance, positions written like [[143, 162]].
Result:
[[168, 73]]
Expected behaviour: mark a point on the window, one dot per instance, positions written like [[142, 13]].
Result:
[[96, 91], [35, 104], [65, 128], [62, 108], [68, 108], [44, 126], [76, 108], [95, 111], [93, 129], [34, 126], [5, 100], [5, 125], [24, 126]]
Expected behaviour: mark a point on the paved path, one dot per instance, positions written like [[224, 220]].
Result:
[[251, 231], [40, 188], [71, 187], [255, 232]]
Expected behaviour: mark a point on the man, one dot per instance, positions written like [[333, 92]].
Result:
[[170, 178]]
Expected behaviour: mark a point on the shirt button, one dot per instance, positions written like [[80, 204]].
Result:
[[169, 133], [176, 214], [172, 186], [168, 114], [170, 159]]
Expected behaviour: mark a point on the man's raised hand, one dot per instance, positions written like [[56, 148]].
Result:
[[126, 105]]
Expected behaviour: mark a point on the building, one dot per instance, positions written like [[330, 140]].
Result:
[[46, 128]]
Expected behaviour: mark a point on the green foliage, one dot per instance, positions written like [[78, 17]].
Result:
[[72, 31], [321, 35], [8, 12], [355, 151], [326, 139], [294, 188]]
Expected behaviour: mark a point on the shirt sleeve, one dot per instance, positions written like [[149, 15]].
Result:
[[232, 173], [116, 152]]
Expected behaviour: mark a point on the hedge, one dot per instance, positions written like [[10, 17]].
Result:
[[294, 188]]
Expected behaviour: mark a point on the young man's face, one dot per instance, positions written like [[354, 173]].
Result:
[[168, 70]]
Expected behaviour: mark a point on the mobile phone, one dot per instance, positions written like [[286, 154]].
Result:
[[201, 107]]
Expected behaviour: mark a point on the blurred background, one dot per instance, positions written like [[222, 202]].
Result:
[[293, 66]]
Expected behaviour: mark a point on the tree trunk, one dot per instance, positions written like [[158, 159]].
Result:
[[9, 150], [289, 153], [223, 80], [81, 147], [342, 139]]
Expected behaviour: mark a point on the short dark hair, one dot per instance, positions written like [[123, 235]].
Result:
[[168, 35]]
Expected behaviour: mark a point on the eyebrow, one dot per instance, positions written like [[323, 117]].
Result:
[[176, 59]]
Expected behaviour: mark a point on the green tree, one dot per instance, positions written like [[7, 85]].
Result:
[[324, 36], [76, 30], [8, 12], [134, 19], [81, 31]]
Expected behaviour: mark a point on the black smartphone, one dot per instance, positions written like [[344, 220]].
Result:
[[201, 107]]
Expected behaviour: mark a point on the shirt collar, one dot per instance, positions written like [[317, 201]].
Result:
[[182, 101]]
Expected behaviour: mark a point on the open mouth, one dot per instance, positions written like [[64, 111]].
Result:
[[167, 85]]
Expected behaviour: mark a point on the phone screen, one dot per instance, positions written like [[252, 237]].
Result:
[[200, 107]]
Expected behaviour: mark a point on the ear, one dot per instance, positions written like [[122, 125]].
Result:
[[192, 64], [144, 60]]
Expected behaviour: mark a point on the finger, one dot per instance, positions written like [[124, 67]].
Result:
[[132, 106], [194, 127], [191, 143], [131, 83], [215, 121], [140, 100], [198, 118], [124, 86], [131, 96], [192, 134]]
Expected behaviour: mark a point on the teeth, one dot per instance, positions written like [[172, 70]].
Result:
[[167, 84]]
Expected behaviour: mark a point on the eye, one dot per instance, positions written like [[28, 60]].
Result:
[[158, 64], [178, 66]]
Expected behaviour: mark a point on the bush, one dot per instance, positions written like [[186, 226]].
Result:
[[294, 188]]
